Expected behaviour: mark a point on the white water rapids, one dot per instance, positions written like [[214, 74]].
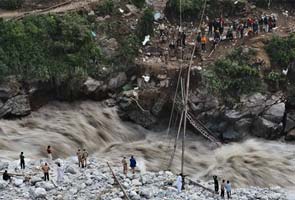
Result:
[[90, 125]]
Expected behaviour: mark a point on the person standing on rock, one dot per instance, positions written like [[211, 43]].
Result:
[[60, 173], [49, 152], [45, 169], [125, 166], [132, 164], [79, 156], [222, 189], [84, 158], [216, 186], [179, 183], [228, 189], [22, 160]]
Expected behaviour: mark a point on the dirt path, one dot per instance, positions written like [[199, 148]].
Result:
[[72, 5]]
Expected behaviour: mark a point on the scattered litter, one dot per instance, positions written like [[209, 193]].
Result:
[[146, 78], [285, 71], [146, 39], [91, 13], [93, 34], [236, 2], [121, 10], [157, 16]]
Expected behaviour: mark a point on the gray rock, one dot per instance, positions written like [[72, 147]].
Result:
[[291, 135], [146, 119], [231, 135], [91, 85], [266, 129], [275, 113], [38, 193], [3, 165], [243, 126], [48, 186], [233, 115], [254, 103], [35, 179], [118, 81], [3, 184], [18, 182], [17, 106], [70, 170]]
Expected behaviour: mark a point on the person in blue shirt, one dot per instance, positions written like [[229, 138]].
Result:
[[132, 164], [228, 189]]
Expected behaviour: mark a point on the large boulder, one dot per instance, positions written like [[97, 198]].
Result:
[[291, 135], [16, 106], [38, 193], [118, 81], [275, 113], [254, 104], [266, 129], [91, 85], [243, 126], [233, 115], [143, 118], [231, 135]]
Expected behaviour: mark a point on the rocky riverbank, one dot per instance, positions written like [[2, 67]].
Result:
[[96, 182]]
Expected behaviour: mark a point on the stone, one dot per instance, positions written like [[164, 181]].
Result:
[[109, 47], [38, 193], [233, 115], [243, 126], [291, 135], [266, 129], [231, 135], [3, 165], [91, 85], [254, 103], [70, 170], [3, 184], [48, 186], [16, 106], [275, 113], [118, 81], [136, 182], [18, 182], [35, 179]]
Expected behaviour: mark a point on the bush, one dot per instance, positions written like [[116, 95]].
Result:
[[48, 48], [106, 7], [11, 4], [138, 3], [230, 77], [145, 25], [281, 50]]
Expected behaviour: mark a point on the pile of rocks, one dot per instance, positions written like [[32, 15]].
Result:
[[96, 182]]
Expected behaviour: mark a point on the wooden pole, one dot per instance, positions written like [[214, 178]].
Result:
[[124, 192]]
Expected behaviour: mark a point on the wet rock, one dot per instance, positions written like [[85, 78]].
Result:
[[243, 126], [16, 106], [266, 129], [118, 81], [233, 115], [91, 85], [231, 135], [291, 135], [290, 121], [144, 118], [275, 113]]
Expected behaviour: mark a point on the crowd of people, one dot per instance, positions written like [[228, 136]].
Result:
[[213, 31], [81, 157]]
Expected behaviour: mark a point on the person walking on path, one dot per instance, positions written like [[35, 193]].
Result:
[[204, 42], [216, 186], [125, 166], [22, 160], [222, 189], [79, 156], [49, 152], [179, 183], [60, 173], [132, 164], [45, 169], [228, 189], [84, 158]]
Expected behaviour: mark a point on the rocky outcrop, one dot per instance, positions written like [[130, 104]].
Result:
[[17, 106], [118, 81], [266, 129]]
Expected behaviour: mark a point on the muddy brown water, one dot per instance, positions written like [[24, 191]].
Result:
[[90, 125]]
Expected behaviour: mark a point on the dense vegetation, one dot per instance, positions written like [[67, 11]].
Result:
[[11, 4], [233, 76], [47, 48], [146, 24], [282, 51]]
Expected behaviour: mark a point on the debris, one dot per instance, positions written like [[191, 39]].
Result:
[[121, 10], [146, 39], [146, 78], [93, 34], [157, 16], [285, 71]]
